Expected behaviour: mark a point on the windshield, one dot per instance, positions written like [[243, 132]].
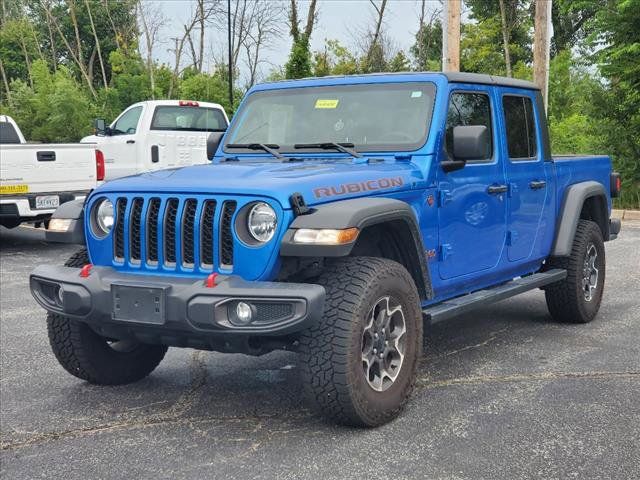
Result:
[[372, 117], [194, 119]]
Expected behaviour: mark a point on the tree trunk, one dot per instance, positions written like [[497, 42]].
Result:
[[95, 36], [505, 38], [202, 19], [311, 19], [6, 83]]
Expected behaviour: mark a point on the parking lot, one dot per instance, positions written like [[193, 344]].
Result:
[[502, 393]]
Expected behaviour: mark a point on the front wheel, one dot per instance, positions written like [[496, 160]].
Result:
[[359, 362], [88, 356], [577, 298]]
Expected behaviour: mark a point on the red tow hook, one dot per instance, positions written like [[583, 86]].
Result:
[[211, 280], [86, 270]]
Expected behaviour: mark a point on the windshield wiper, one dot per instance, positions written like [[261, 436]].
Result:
[[342, 147], [266, 147]]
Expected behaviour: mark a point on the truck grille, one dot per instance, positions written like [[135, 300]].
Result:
[[179, 234]]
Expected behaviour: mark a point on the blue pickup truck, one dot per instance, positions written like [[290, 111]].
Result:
[[338, 218]]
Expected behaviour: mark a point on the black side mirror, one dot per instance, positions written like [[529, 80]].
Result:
[[470, 142], [213, 142], [99, 126]]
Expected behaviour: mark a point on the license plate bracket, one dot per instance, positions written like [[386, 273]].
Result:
[[133, 303], [44, 202]]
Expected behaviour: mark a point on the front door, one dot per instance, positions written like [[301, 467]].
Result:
[[119, 148], [525, 174], [472, 201]]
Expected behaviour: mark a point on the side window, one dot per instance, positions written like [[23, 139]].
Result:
[[128, 122], [521, 127], [467, 108]]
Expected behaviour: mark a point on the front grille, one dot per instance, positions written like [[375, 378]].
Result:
[[118, 242], [226, 244], [174, 234]]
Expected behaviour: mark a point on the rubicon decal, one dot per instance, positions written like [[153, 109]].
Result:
[[368, 186]]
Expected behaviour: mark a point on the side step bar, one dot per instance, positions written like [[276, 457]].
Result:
[[456, 306]]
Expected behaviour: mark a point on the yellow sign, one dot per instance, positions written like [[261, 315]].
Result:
[[13, 189], [326, 103]]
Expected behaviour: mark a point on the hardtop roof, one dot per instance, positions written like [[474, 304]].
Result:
[[452, 77]]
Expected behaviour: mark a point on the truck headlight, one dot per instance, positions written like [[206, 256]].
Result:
[[262, 222], [104, 217]]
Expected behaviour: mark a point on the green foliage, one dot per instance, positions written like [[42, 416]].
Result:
[[299, 63], [209, 88], [399, 63], [335, 60], [56, 109], [427, 49]]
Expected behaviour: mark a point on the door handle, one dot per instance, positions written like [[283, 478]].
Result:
[[537, 184], [131, 141], [497, 189]]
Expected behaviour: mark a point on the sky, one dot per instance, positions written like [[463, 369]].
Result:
[[338, 19]]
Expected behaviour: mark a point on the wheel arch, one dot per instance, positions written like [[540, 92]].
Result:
[[582, 201], [387, 229]]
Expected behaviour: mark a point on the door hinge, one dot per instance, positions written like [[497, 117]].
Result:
[[513, 189], [446, 250], [512, 237], [444, 197]]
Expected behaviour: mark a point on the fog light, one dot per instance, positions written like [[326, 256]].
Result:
[[243, 314], [61, 295], [59, 224]]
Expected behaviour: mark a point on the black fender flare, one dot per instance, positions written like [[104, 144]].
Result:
[[73, 211], [362, 213], [574, 199]]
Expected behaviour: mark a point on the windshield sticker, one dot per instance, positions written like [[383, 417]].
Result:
[[320, 103], [369, 186], [416, 94], [339, 125]]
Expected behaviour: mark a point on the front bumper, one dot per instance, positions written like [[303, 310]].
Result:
[[174, 310]]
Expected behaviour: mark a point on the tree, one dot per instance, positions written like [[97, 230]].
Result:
[[511, 21], [299, 63], [427, 49]]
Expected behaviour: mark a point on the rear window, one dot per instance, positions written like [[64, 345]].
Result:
[[521, 127], [193, 119], [8, 134]]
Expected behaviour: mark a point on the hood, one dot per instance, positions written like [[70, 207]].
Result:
[[319, 181]]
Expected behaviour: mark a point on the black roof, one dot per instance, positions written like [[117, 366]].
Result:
[[457, 77], [464, 77]]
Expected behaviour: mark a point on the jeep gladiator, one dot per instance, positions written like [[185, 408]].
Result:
[[338, 218]]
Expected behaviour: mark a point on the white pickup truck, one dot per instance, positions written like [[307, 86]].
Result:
[[157, 134], [36, 178]]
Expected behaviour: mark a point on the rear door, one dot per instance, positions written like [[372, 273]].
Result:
[[525, 172], [178, 135], [472, 213]]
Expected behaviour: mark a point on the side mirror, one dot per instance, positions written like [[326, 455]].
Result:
[[470, 142], [99, 126], [213, 142]]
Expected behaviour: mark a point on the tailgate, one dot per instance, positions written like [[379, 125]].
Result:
[[37, 168]]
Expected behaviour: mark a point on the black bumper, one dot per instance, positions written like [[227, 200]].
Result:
[[175, 311]]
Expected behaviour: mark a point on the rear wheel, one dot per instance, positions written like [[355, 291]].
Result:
[[577, 298], [359, 363], [88, 356]]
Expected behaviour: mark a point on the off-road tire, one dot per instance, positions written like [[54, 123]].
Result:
[[331, 351], [566, 299], [88, 356]]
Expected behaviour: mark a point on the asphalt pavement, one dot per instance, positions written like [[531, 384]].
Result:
[[503, 392]]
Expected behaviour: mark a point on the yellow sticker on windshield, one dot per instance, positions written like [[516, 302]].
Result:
[[320, 103]]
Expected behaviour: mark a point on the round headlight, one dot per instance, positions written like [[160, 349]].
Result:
[[262, 222], [104, 217]]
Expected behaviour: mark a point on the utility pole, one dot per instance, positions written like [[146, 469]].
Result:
[[230, 55], [451, 36], [542, 47]]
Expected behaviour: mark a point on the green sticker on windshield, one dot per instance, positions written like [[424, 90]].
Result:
[[325, 103]]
